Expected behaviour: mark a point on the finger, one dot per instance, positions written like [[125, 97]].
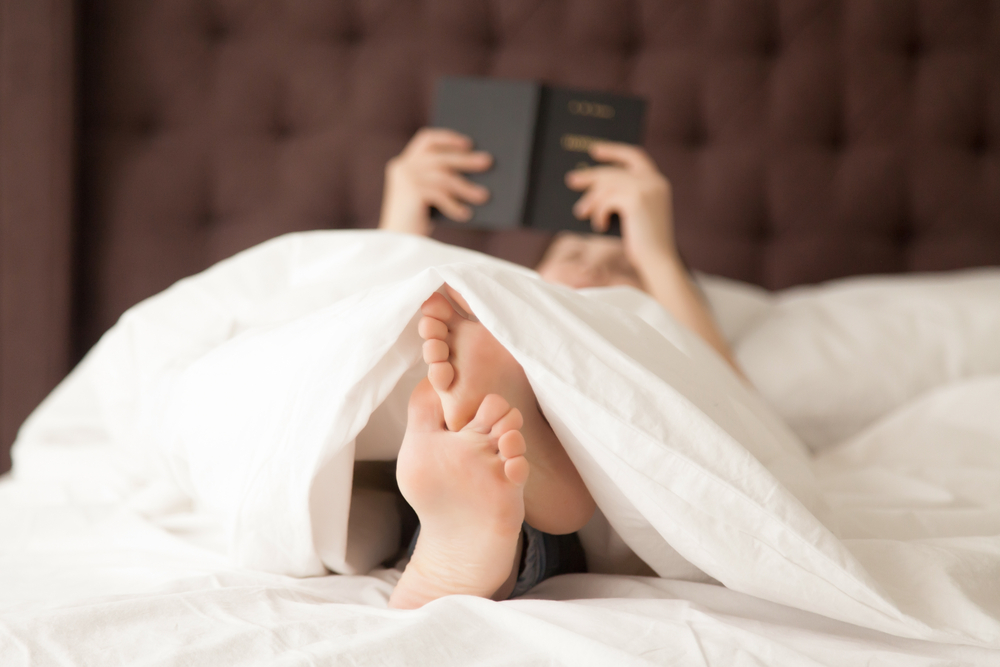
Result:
[[626, 155], [449, 206], [464, 161], [464, 189], [581, 179], [441, 138], [600, 220], [585, 205]]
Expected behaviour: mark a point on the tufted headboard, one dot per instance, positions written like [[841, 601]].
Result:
[[805, 139]]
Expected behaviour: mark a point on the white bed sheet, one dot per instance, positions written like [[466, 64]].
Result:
[[102, 561], [91, 584]]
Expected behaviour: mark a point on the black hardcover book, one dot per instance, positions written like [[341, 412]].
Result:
[[536, 134], [500, 117]]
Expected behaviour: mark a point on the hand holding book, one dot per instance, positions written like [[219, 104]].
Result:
[[535, 133], [429, 173], [627, 183]]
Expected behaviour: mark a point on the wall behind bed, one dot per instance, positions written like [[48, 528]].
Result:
[[806, 139]]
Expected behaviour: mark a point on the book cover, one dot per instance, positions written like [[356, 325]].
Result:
[[569, 121], [500, 116], [536, 133]]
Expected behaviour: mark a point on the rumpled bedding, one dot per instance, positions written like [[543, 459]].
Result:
[[198, 465]]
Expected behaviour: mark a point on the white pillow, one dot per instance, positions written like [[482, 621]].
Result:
[[834, 358]]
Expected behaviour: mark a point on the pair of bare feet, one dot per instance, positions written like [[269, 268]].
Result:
[[474, 432]]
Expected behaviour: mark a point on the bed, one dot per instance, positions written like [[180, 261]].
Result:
[[806, 141]]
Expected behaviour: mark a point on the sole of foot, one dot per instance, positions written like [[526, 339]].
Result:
[[467, 488], [465, 364]]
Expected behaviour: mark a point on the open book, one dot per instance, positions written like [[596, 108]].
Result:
[[536, 133]]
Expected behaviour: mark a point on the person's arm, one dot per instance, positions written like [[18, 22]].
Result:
[[429, 173], [630, 185]]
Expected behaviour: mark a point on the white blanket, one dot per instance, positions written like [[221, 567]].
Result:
[[252, 388]]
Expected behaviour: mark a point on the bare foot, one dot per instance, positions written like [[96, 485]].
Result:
[[467, 490], [465, 363]]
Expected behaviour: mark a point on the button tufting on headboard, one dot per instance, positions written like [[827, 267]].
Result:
[[805, 139]]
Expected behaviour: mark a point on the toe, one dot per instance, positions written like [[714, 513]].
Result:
[[512, 421], [438, 308], [441, 375], [457, 298], [435, 351], [511, 444], [491, 410], [516, 470], [430, 328], [424, 412]]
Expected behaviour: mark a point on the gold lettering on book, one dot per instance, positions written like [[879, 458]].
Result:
[[593, 109], [577, 142]]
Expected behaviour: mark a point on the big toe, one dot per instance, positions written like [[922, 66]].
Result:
[[431, 328], [457, 298], [438, 308], [493, 408]]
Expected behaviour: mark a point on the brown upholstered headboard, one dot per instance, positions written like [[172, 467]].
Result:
[[806, 139]]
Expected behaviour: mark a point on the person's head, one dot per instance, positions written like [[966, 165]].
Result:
[[591, 260]]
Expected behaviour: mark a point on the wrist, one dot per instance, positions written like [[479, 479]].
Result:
[[409, 220], [403, 210], [654, 261]]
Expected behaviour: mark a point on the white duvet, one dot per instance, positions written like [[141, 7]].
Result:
[[178, 486]]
